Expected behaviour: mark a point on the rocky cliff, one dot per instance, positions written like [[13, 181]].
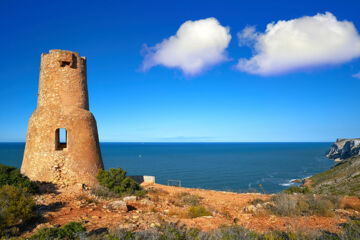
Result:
[[344, 148]]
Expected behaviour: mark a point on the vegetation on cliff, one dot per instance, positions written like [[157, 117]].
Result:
[[12, 176], [70, 231], [16, 208], [304, 205], [174, 231], [117, 182], [342, 179]]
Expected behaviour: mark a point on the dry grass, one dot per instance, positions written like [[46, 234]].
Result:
[[156, 194], [304, 205], [351, 203], [183, 198], [86, 199], [198, 211], [177, 212], [154, 210]]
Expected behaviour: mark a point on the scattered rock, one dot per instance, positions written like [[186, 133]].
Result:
[[296, 181], [146, 202], [250, 209], [307, 182], [130, 199], [118, 205]]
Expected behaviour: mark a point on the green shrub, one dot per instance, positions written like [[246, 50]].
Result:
[[117, 181], [296, 189], [16, 207], [198, 211], [122, 234], [70, 231], [352, 230], [12, 176]]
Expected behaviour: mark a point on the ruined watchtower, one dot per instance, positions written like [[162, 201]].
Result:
[[62, 143]]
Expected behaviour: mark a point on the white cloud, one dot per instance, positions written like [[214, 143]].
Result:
[[299, 43], [356, 75], [196, 46], [248, 36]]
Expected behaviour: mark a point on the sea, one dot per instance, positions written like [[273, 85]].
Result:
[[236, 167]]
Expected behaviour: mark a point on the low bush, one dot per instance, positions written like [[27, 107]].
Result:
[[12, 176], [117, 181], [352, 230], [296, 189], [304, 205], [156, 194], [198, 211], [166, 231], [185, 198], [70, 231], [16, 207], [257, 201], [104, 192], [174, 231]]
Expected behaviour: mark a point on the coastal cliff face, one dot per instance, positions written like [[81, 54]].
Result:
[[344, 148], [343, 178]]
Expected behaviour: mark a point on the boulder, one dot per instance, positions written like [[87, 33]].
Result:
[[130, 199], [250, 209], [297, 181], [118, 205]]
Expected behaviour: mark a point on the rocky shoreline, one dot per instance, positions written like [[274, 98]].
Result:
[[340, 150]]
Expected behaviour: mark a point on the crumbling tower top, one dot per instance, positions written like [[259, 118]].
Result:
[[63, 80]]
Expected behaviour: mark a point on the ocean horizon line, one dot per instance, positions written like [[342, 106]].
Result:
[[142, 142]]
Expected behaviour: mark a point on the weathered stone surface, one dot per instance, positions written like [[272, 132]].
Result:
[[297, 181], [344, 148], [130, 199], [62, 103], [118, 205]]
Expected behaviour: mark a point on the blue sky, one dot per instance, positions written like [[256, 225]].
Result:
[[219, 103]]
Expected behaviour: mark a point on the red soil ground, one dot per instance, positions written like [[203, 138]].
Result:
[[160, 205]]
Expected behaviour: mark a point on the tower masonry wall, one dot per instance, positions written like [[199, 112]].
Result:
[[63, 80], [62, 104]]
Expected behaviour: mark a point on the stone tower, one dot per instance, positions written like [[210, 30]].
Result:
[[62, 143]]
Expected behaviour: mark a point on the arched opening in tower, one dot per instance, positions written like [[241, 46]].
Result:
[[60, 139]]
